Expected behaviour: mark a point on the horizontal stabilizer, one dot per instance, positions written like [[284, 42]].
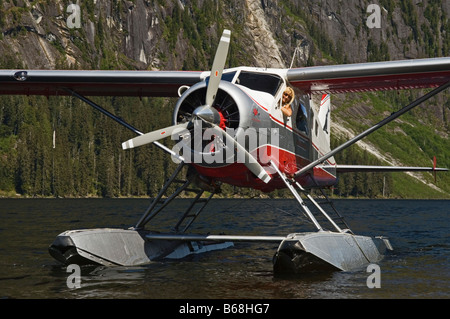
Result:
[[370, 168]]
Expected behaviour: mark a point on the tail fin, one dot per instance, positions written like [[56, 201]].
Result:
[[324, 115]]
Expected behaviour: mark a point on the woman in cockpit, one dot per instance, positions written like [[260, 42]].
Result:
[[287, 99]]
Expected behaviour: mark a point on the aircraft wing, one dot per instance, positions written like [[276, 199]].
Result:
[[370, 168], [373, 76], [95, 83], [390, 75], [359, 77]]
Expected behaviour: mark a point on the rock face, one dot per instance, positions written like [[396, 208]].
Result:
[[267, 50], [145, 34]]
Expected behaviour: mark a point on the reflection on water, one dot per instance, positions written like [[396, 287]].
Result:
[[417, 268]]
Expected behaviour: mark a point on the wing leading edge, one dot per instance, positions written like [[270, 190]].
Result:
[[374, 76], [95, 83]]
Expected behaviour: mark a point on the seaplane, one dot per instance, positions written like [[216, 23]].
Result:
[[229, 127]]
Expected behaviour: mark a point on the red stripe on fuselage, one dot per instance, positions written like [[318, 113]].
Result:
[[237, 174]]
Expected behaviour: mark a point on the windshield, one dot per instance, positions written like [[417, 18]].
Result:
[[269, 83], [225, 77]]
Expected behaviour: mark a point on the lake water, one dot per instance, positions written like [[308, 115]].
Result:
[[419, 266]]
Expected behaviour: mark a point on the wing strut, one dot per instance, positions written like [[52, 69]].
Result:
[[121, 122], [355, 139]]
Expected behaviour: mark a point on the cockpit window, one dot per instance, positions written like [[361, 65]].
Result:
[[269, 83], [228, 76]]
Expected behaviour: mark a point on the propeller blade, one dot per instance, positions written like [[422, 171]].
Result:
[[249, 161], [217, 67], [153, 136]]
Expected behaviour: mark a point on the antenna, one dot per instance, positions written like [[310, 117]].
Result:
[[293, 57]]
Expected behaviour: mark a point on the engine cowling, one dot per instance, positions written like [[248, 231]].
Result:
[[200, 144]]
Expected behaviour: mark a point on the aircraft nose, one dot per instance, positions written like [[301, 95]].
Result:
[[207, 114]]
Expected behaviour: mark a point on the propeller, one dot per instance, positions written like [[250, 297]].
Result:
[[207, 114], [154, 136], [217, 67]]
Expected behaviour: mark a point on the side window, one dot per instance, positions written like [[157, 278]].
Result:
[[302, 119]]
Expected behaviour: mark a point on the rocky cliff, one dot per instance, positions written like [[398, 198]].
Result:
[[164, 34]]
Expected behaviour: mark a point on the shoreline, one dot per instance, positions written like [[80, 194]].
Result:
[[261, 196]]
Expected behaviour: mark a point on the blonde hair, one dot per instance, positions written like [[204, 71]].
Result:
[[290, 91]]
